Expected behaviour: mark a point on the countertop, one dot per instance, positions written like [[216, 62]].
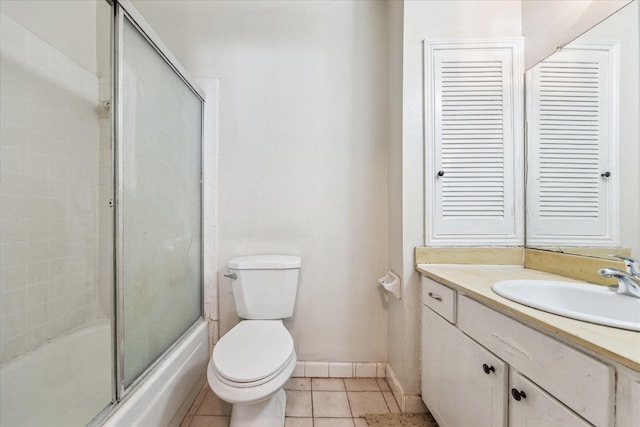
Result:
[[619, 345]]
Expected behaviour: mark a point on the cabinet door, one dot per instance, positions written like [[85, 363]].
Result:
[[571, 141], [455, 386], [473, 96], [533, 407], [628, 398]]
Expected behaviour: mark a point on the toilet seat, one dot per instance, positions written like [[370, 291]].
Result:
[[252, 353]]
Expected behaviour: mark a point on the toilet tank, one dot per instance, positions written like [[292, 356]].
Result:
[[265, 286]]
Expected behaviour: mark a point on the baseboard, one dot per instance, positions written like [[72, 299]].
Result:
[[312, 369], [408, 403]]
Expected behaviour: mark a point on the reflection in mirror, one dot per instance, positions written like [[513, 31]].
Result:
[[583, 142]]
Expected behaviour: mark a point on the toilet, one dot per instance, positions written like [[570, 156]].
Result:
[[251, 363]]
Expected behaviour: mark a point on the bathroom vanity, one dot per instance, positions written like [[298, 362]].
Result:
[[488, 361]]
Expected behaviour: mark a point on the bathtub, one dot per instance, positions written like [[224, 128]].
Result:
[[165, 396], [56, 386]]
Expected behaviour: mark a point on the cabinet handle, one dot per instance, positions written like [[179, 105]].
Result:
[[488, 369], [517, 395], [435, 297], [440, 173]]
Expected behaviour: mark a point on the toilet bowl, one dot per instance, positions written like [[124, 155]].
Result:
[[249, 366], [251, 363]]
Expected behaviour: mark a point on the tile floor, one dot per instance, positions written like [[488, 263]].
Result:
[[311, 402]]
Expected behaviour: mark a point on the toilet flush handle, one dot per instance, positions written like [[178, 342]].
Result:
[[232, 276]]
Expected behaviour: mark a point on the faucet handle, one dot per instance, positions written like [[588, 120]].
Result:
[[627, 283], [633, 266]]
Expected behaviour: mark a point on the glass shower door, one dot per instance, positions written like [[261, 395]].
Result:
[[56, 225], [159, 241]]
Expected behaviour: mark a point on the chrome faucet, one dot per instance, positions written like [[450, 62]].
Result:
[[633, 266], [628, 281]]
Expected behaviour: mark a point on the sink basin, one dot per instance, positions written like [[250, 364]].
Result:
[[589, 303]]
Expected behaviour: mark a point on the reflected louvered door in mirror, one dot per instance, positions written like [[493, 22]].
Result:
[[473, 127], [572, 148]]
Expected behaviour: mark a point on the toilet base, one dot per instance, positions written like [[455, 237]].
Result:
[[266, 413]]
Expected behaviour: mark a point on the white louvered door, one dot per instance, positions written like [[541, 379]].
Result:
[[473, 143], [572, 148]]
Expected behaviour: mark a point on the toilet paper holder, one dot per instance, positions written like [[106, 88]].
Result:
[[391, 283]]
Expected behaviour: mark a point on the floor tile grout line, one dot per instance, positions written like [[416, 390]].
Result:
[[313, 412], [348, 402]]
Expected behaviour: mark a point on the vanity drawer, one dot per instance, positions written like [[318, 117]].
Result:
[[581, 382], [439, 298]]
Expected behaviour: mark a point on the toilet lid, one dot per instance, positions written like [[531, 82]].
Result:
[[253, 350]]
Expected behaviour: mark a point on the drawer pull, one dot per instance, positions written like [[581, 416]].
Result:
[[517, 395], [488, 369], [435, 297]]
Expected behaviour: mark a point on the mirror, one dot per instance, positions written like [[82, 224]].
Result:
[[583, 142]]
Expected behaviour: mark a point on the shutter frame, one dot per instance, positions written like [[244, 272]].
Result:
[[549, 219], [467, 218]]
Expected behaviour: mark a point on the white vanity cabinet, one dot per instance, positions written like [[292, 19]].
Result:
[[581, 382], [536, 379], [463, 384]]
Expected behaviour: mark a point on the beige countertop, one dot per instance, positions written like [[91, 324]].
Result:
[[619, 345]]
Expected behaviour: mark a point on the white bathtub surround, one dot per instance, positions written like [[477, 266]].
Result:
[[311, 369], [211, 88], [50, 151], [57, 386]]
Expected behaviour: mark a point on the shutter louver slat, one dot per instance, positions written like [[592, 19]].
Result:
[[569, 134], [472, 131], [572, 140], [472, 142]]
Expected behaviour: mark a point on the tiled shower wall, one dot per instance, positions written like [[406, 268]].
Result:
[[50, 148]]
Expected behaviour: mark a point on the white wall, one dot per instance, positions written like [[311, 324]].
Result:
[[562, 21], [428, 20], [303, 170]]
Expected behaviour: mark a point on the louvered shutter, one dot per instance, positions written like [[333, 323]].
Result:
[[474, 138], [571, 143]]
